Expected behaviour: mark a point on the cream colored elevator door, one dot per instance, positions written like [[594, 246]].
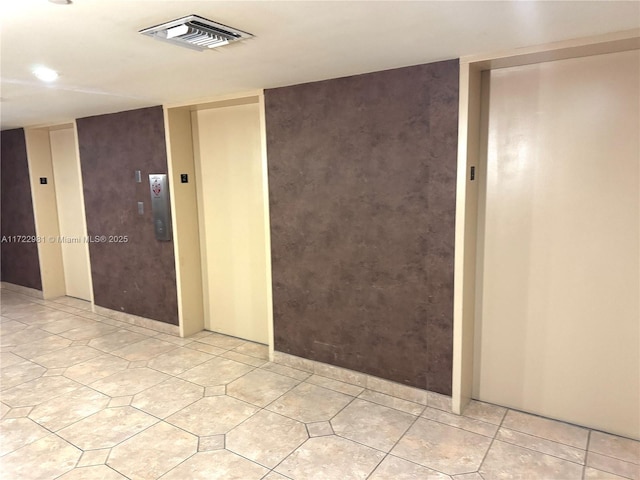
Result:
[[71, 218], [231, 184], [558, 331]]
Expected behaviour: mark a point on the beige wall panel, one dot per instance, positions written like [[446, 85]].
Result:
[[266, 226], [466, 233], [558, 329], [45, 212], [185, 220], [71, 220], [231, 183]]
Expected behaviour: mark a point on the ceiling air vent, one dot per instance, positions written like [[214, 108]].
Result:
[[196, 32]]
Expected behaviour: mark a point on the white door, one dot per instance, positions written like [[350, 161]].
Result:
[[71, 218], [232, 213], [559, 317]]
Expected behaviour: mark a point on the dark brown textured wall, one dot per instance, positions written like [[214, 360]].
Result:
[[138, 276], [20, 264], [362, 196]]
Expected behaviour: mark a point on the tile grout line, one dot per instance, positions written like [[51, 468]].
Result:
[[537, 451], [542, 453], [286, 457], [423, 407], [484, 457], [394, 446], [586, 455], [309, 437], [631, 462], [561, 422], [463, 428], [51, 432], [172, 468], [171, 376], [541, 438]]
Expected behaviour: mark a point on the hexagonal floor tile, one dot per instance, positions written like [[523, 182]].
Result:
[[24, 371], [266, 438], [153, 452], [67, 357], [321, 458], [217, 465], [66, 409], [18, 432], [371, 424], [97, 472], [212, 415], [107, 428], [442, 448], [129, 382], [309, 403], [48, 457], [260, 387], [399, 469], [96, 369], [217, 371], [37, 391], [168, 397]]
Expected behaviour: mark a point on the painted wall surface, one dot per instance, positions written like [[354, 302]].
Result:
[[557, 325], [362, 178], [20, 264], [138, 275]]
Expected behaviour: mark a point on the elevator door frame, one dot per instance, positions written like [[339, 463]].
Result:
[[469, 154]]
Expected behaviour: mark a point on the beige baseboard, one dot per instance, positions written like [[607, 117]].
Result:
[[388, 387], [138, 321], [31, 292]]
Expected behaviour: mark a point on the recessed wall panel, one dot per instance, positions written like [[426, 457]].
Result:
[[362, 204], [20, 264], [132, 271]]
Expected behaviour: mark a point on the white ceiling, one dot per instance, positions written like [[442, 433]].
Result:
[[106, 66]]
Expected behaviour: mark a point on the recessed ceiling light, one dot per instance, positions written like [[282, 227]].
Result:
[[61, 2], [45, 74]]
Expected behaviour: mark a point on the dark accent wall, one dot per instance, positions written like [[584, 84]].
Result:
[[362, 176], [20, 263], [137, 276]]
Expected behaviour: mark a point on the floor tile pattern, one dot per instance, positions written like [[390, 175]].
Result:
[[88, 396]]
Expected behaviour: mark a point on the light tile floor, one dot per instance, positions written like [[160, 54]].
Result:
[[86, 396]]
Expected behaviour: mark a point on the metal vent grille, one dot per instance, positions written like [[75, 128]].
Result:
[[196, 32]]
